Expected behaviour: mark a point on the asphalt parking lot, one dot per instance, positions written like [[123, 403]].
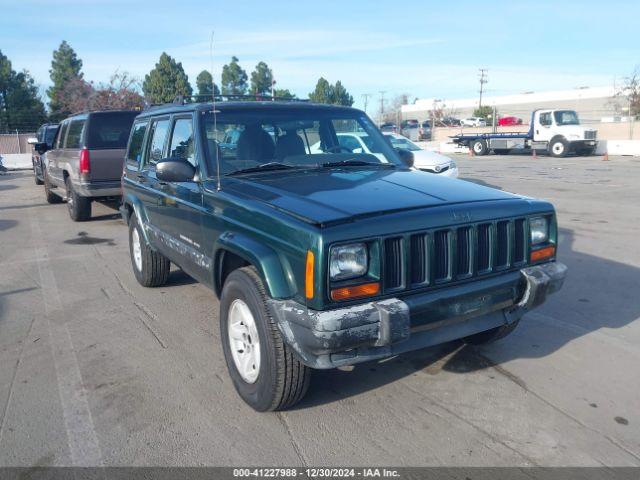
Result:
[[96, 369]]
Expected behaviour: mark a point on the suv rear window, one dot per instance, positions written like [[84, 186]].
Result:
[[110, 130]]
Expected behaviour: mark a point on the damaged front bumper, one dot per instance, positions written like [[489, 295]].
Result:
[[379, 329]]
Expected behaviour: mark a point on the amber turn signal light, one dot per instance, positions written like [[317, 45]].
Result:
[[308, 280], [357, 291], [543, 253]]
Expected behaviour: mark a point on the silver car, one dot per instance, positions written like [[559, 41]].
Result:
[[86, 159]]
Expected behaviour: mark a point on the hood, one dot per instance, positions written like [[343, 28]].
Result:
[[427, 158], [329, 196]]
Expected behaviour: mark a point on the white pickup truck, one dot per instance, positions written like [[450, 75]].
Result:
[[557, 131]]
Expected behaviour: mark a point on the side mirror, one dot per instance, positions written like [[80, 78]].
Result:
[[40, 147], [175, 170], [358, 150], [32, 140], [406, 156]]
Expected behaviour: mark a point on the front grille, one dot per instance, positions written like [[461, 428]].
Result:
[[457, 253], [393, 262], [463, 252], [590, 134], [442, 254]]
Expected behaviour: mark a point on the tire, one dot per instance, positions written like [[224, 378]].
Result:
[[558, 147], [501, 151], [150, 268], [35, 177], [279, 380], [479, 147], [49, 195], [490, 336], [79, 207]]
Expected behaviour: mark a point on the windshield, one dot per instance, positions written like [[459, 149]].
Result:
[[566, 117], [297, 138], [402, 143]]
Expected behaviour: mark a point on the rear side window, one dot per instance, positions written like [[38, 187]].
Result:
[[159, 130], [110, 130], [61, 134], [74, 137], [182, 141], [134, 154]]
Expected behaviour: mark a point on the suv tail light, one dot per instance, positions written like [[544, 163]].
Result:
[[85, 162]]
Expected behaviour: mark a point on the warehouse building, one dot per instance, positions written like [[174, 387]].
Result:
[[593, 104]]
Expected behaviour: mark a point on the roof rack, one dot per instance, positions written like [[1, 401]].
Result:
[[182, 99]]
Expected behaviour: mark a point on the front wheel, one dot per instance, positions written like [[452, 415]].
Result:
[[558, 147], [151, 268], [479, 147], [35, 177], [264, 370]]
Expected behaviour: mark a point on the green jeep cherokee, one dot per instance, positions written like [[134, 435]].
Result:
[[328, 258]]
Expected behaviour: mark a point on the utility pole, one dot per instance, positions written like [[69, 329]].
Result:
[[365, 97], [483, 79], [382, 92]]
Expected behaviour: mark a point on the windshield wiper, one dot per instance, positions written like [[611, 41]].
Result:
[[355, 163], [265, 167]]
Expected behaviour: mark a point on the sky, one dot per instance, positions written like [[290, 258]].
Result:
[[426, 49]]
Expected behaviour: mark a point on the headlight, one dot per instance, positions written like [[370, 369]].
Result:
[[539, 228], [348, 261]]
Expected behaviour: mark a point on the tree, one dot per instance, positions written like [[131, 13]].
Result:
[[485, 112], [332, 94], [121, 93], [205, 85], [323, 93], [284, 93], [166, 81], [341, 96], [65, 66], [20, 105], [234, 78], [627, 97], [261, 79]]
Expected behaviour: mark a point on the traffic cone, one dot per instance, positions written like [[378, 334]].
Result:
[[606, 156], [534, 154]]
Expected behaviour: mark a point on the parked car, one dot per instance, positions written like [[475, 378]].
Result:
[[450, 122], [473, 122], [410, 129], [44, 135], [325, 258], [424, 160], [389, 128], [509, 121], [85, 161], [424, 132]]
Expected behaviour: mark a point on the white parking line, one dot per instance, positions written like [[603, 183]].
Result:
[[81, 435]]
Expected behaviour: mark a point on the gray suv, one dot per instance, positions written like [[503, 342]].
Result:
[[86, 159]]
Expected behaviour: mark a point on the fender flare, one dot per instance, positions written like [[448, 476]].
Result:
[[274, 271], [139, 211]]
